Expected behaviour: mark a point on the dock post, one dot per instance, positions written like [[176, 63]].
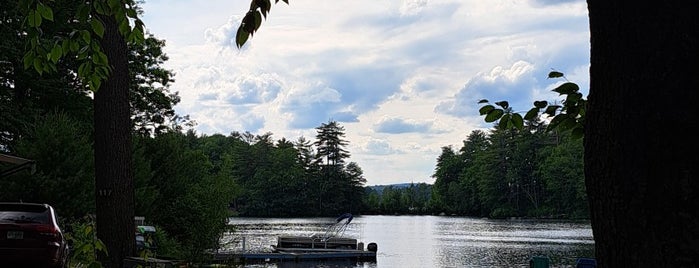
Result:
[[243, 244]]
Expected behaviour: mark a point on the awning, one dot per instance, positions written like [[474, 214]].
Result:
[[19, 164]]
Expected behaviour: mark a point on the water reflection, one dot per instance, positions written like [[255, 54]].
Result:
[[430, 241]]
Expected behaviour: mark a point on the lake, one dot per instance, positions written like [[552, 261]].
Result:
[[430, 241]]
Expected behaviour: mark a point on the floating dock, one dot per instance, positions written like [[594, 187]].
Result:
[[297, 256], [328, 247]]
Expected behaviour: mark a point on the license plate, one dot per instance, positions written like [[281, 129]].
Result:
[[15, 235]]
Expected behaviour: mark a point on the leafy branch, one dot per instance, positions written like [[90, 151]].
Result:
[[567, 117], [253, 19], [45, 52]]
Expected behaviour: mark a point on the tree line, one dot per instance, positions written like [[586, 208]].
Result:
[[496, 174], [512, 173]]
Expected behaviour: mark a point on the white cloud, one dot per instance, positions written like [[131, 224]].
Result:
[[398, 126], [403, 77], [412, 7]]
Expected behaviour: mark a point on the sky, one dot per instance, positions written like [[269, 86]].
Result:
[[403, 77]]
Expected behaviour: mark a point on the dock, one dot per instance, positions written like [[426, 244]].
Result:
[[296, 256]]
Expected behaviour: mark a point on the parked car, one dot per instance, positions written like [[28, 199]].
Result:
[[31, 237]]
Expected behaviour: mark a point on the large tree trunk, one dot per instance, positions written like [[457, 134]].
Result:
[[113, 164], [640, 155]]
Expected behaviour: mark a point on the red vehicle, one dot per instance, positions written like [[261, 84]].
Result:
[[30, 236]]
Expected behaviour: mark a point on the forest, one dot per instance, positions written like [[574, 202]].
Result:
[[498, 174]]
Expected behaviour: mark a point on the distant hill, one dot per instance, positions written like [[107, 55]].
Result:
[[379, 188]]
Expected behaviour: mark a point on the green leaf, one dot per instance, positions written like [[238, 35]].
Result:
[[84, 69], [114, 4], [65, 45], [99, 245], [136, 36], [95, 82], [28, 59], [38, 65], [555, 74], [517, 121], [574, 97], [56, 53], [482, 101], [264, 6], [258, 20], [241, 37], [249, 22], [97, 27], [556, 121], [505, 122], [131, 13], [567, 123], [503, 104], [486, 109], [34, 18], [74, 46], [83, 12], [86, 36], [99, 7], [567, 88], [494, 115], [541, 104], [531, 114], [45, 11], [551, 110]]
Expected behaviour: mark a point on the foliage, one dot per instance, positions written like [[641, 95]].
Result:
[[84, 244], [511, 173], [190, 202], [82, 40], [293, 178], [61, 147], [253, 19], [411, 199], [330, 144], [26, 95], [569, 117], [151, 101], [168, 247]]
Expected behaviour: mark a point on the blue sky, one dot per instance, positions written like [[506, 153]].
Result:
[[402, 76]]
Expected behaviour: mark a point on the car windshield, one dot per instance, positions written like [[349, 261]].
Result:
[[24, 214]]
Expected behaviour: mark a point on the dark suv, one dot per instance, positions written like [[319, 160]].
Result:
[[30, 236]]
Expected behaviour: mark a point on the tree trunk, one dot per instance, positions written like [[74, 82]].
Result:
[[640, 155], [114, 188]]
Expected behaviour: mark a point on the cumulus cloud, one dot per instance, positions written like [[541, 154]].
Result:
[[512, 83], [224, 35], [412, 7], [378, 147], [399, 126], [241, 89]]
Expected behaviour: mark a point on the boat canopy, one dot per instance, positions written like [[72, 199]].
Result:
[[347, 216]]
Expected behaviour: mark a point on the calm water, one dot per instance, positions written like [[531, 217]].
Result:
[[431, 241]]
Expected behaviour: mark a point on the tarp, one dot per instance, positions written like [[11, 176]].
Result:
[[18, 162]]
